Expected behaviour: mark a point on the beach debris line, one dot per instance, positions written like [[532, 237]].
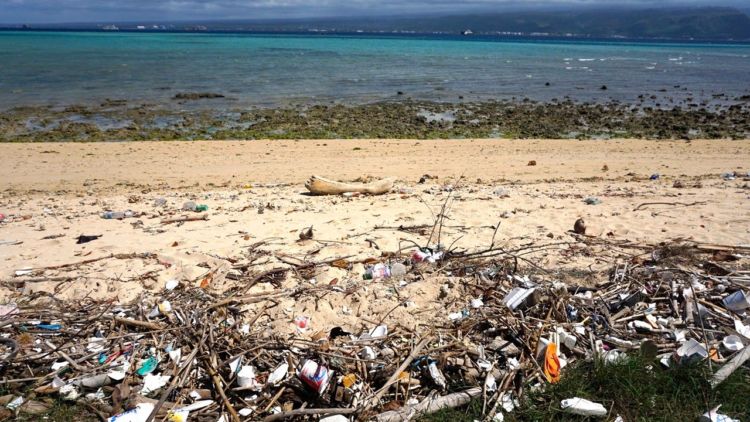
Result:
[[507, 326], [191, 355]]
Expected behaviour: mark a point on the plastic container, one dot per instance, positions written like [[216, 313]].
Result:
[[117, 215], [315, 376], [384, 271], [737, 301], [732, 343]]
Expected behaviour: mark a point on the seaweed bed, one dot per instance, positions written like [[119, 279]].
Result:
[[118, 120]]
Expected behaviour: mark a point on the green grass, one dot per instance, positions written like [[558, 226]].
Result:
[[631, 390], [61, 411], [467, 414]]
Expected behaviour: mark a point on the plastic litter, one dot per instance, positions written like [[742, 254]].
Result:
[[437, 375], [278, 374], [148, 366], [517, 297], [117, 215], [378, 332], [139, 413], [713, 415], [592, 200], [246, 378], [477, 303], [737, 301], [152, 383], [552, 363], [15, 403], [380, 271], [732, 343], [690, 351], [583, 407], [315, 376], [334, 418]]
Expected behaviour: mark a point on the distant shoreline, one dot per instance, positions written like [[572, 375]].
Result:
[[444, 36]]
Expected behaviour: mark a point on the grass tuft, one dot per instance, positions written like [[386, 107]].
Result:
[[636, 389]]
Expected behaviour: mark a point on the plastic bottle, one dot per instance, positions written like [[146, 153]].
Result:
[[385, 271], [113, 215]]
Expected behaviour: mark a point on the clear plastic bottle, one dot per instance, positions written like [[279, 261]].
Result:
[[113, 215], [384, 271]]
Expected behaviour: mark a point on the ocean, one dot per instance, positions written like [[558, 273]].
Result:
[[64, 68]]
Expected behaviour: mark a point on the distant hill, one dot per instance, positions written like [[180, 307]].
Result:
[[699, 23], [708, 23]]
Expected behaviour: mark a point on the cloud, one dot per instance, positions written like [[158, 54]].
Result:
[[34, 11]]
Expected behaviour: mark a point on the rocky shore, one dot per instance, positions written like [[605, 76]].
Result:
[[119, 120]]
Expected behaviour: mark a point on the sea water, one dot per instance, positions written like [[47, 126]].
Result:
[[63, 68]]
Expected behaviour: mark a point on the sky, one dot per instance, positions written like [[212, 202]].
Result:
[[61, 11]]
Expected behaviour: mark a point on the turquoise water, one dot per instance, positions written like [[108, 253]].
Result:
[[79, 67]]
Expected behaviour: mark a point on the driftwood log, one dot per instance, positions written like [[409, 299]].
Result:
[[321, 186]]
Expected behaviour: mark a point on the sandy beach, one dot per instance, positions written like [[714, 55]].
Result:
[[80, 167], [256, 208]]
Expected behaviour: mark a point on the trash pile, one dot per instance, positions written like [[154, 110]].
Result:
[[187, 353]]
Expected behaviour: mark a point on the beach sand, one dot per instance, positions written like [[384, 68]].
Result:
[[254, 192]]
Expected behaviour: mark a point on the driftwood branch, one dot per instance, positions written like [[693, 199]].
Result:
[[142, 324], [305, 412], [738, 360], [185, 218], [430, 405], [394, 378], [646, 204]]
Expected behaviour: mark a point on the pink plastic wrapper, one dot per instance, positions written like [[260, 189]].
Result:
[[302, 322], [315, 376], [419, 256]]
